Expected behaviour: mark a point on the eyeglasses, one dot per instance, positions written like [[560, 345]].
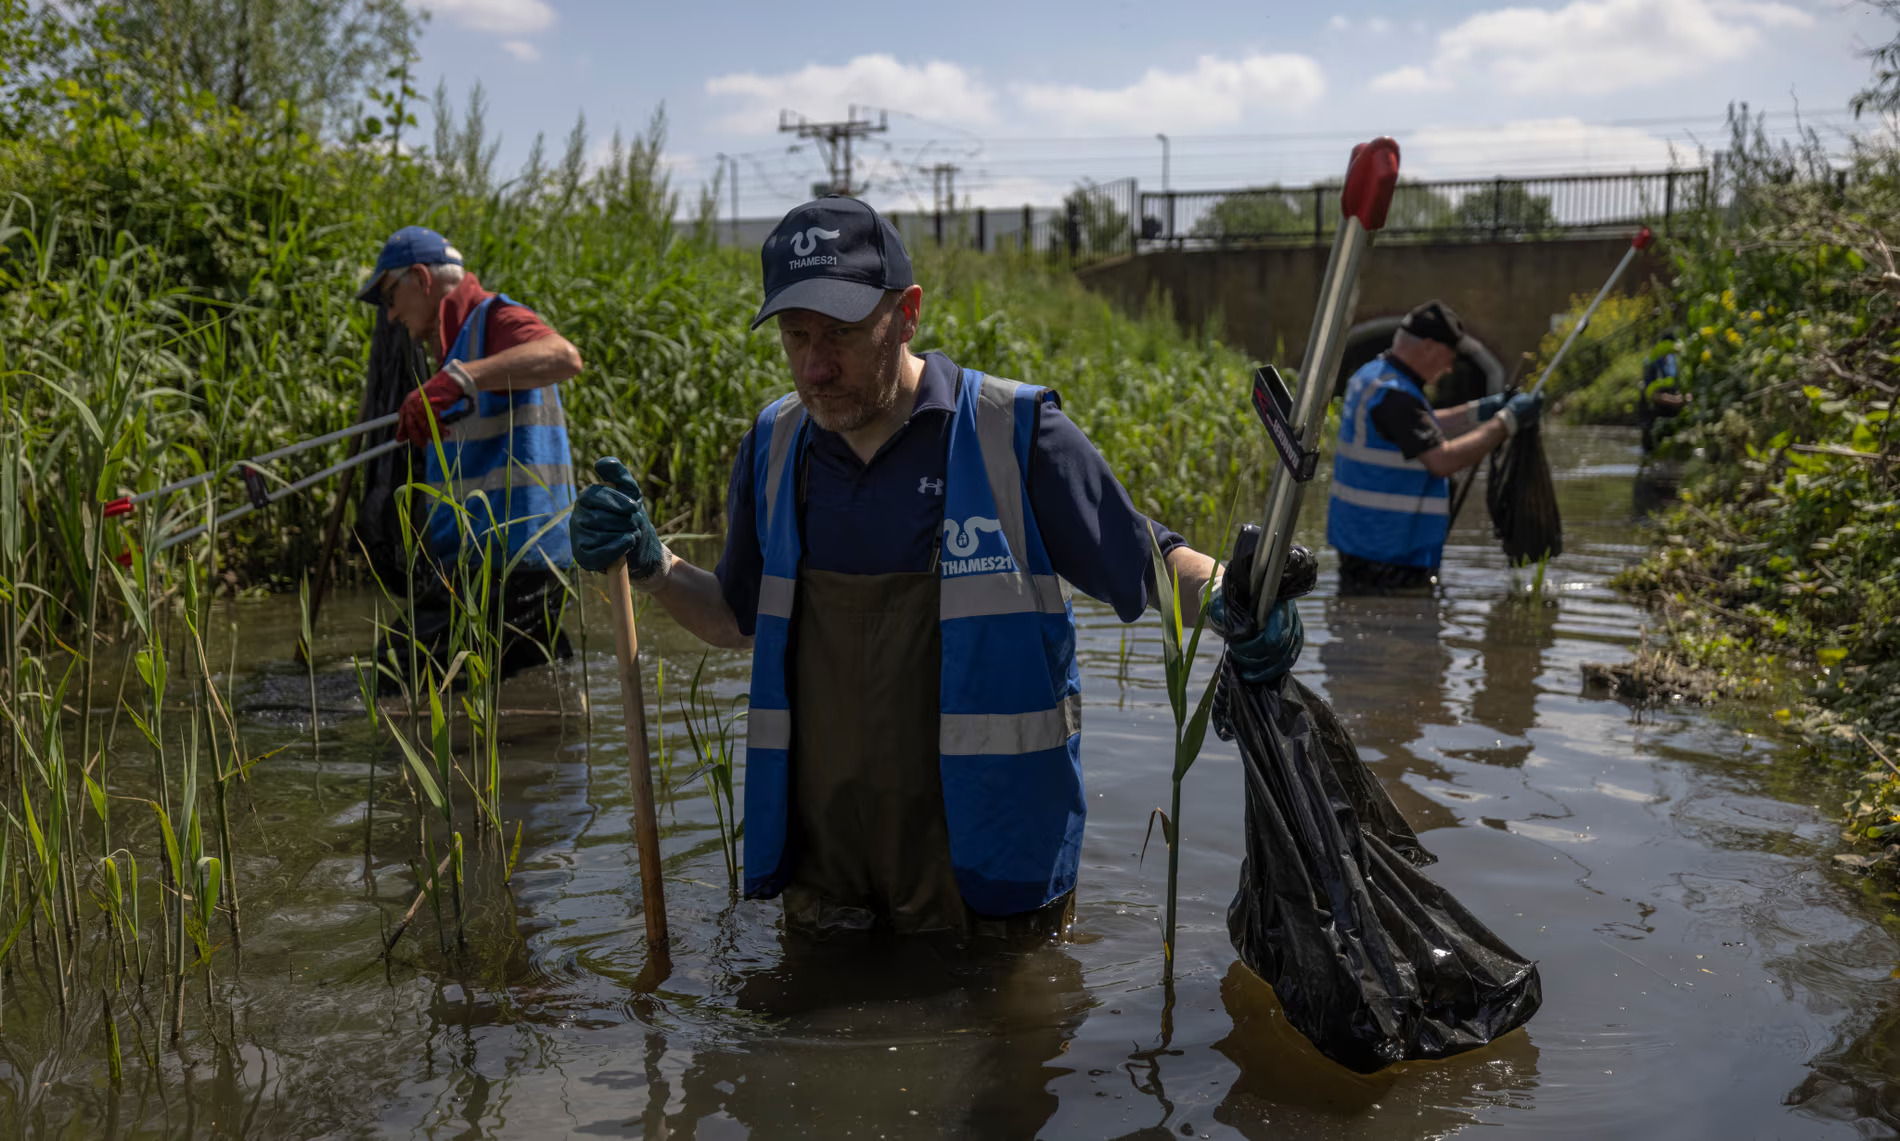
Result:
[[389, 285]]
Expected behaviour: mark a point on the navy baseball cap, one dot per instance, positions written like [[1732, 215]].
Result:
[[836, 256], [411, 245]]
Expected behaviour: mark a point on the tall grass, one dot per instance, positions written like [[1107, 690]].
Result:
[[178, 295]]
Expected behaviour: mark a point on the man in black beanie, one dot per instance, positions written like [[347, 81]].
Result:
[[1390, 508]]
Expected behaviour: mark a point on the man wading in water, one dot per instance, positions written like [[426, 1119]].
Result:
[[507, 462], [898, 529], [1390, 508]]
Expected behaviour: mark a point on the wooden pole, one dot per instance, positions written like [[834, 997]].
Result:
[[646, 824]]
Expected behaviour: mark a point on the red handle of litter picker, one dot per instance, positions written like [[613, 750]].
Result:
[[1642, 239], [120, 506], [1371, 176]]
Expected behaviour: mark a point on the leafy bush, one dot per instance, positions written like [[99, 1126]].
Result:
[[1788, 540]]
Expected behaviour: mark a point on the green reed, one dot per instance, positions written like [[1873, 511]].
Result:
[[178, 295], [711, 730], [1179, 644]]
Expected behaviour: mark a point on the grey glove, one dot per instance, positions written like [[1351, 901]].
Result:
[[1268, 654], [610, 523], [1521, 411]]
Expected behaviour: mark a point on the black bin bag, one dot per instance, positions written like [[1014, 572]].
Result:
[[1523, 500], [1370, 959]]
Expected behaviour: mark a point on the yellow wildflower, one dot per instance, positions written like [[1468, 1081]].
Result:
[[1734, 338], [1705, 356], [1755, 316], [1728, 300], [1707, 330]]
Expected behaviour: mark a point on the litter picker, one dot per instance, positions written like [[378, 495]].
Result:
[[646, 825], [261, 495], [1638, 244], [125, 503], [1372, 961], [1294, 429]]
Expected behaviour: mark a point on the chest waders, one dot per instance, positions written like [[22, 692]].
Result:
[[924, 774]]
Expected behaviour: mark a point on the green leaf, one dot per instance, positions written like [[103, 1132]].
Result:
[[1189, 749], [210, 880], [420, 768], [97, 795], [171, 842]]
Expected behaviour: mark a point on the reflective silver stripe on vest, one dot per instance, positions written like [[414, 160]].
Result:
[[1388, 501], [768, 729], [996, 435], [993, 734], [977, 595], [1379, 457], [775, 595], [543, 415], [784, 427], [511, 474]]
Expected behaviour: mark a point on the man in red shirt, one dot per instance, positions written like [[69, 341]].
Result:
[[503, 454]]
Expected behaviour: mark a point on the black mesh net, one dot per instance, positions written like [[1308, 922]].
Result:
[[1523, 501]]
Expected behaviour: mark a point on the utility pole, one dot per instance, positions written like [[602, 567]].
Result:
[[1164, 161], [735, 200], [723, 161], [943, 185], [834, 140]]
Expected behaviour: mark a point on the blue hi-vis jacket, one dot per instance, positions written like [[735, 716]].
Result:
[[1011, 696], [1384, 507], [508, 464]]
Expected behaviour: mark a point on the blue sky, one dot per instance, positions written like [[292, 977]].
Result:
[[1029, 98]]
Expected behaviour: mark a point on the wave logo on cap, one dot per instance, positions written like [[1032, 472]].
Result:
[[803, 244]]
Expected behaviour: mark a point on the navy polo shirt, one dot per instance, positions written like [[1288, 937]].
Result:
[[887, 516]]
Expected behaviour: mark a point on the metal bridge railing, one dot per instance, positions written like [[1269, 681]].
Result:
[[1476, 209]]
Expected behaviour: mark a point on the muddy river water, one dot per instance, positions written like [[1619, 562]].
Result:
[[1708, 971]]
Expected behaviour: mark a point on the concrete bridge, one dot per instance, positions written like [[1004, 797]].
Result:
[[1508, 292], [1509, 255]]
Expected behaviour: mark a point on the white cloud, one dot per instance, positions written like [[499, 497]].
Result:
[[1378, 25], [521, 50], [934, 90], [1408, 81], [1532, 145], [1591, 47], [1215, 93], [505, 16], [1339, 24]]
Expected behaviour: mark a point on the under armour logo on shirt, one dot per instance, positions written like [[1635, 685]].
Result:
[[928, 486]]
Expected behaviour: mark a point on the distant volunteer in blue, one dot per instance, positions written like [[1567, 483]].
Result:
[[1390, 505], [902, 537], [506, 461]]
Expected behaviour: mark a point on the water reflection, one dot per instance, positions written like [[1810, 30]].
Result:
[[1385, 662], [1704, 865], [887, 1030], [1519, 629]]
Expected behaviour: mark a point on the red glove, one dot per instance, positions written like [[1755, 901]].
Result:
[[437, 395]]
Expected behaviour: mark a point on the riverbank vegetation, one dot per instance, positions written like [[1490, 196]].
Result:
[[1778, 571], [187, 217]]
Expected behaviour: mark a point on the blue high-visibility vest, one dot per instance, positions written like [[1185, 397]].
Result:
[[508, 464], [1384, 507], [1010, 733]]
